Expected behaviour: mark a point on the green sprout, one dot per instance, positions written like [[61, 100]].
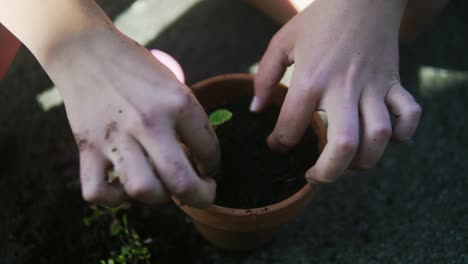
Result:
[[132, 250], [220, 117]]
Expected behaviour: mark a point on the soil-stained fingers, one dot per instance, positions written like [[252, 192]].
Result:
[[271, 69], [376, 130], [174, 168], [136, 174], [406, 110], [296, 113], [93, 176], [343, 141], [199, 137]]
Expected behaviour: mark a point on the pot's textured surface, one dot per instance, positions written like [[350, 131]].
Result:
[[244, 229]]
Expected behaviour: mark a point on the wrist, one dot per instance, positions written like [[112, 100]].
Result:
[[46, 23], [72, 28], [381, 15], [385, 8]]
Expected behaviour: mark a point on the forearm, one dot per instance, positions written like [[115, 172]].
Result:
[[283, 10], [417, 12], [39, 24]]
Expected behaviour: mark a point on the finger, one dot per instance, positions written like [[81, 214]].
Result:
[[135, 172], [198, 135], [175, 170], [376, 131], [296, 113], [406, 110], [271, 69], [94, 186], [343, 139]]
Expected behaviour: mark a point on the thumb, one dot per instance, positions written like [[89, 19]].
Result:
[[270, 70]]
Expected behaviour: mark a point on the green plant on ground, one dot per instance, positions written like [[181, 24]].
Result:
[[219, 117], [132, 249]]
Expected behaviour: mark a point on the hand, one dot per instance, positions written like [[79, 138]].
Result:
[[129, 112], [346, 63]]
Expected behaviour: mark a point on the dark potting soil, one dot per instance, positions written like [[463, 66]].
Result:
[[252, 175]]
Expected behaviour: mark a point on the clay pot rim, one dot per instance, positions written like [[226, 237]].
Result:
[[268, 209], [223, 77], [258, 210]]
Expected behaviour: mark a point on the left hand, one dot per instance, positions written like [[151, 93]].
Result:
[[346, 63]]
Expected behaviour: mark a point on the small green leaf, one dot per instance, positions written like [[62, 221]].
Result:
[[121, 259], [125, 221], [140, 251], [124, 250], [93, 216], [220, 117], [115, 228], [88, 221]]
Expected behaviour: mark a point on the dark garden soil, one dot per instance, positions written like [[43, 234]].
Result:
[[43, 211], [252, 175]]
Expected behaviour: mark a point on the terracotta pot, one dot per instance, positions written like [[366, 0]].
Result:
[[245, 229]]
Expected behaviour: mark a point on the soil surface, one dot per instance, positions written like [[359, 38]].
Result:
[[412, 208], [252, 175]]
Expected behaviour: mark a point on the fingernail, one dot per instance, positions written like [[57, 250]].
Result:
[[254, 105]]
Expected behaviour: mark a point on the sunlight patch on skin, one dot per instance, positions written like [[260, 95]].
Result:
[[143, 21], [286, 80], [433, 80]]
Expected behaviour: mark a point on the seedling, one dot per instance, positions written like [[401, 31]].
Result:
[[220, 117], [132, 249]]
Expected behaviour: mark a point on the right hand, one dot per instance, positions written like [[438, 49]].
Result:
[[123, 106], [346, 63]]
